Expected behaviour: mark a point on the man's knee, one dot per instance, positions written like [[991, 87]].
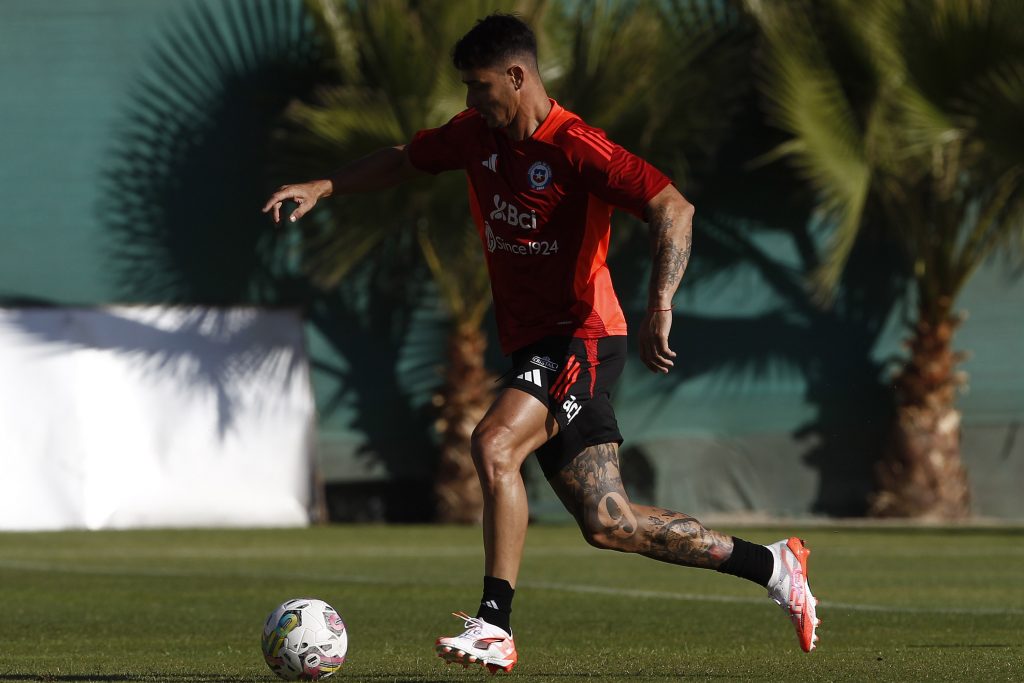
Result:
[[493, 452], [597, 536]]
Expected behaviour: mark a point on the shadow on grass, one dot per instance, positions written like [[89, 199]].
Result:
[[943, 646], [545, 675], [153, 678]]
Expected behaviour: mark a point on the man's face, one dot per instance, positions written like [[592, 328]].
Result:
[[492, 92]]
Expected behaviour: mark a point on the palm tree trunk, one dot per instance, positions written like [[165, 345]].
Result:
[[465, 397], [921, 474]]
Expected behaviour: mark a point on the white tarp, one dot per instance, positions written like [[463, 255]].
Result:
[[126, 417]]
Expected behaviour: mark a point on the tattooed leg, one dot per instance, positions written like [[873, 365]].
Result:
[[591, 489]]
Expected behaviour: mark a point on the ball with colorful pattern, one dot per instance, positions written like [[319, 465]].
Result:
[[304, 640]]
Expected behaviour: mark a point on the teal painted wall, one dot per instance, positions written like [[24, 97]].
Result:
[[80, 78], [67, 67]]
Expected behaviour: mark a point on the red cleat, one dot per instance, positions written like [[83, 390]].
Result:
[[789, 589], [481, 643]]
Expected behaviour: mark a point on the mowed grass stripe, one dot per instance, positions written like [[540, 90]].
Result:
[[392, 552], [335, 578]]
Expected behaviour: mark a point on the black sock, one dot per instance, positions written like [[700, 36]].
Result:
[[749, 561], [496, 604]]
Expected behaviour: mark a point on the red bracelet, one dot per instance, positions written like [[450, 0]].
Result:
[[658, 310]]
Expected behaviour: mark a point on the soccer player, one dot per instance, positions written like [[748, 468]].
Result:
[[543, 185]]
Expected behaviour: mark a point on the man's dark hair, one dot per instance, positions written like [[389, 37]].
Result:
[[494, 40]]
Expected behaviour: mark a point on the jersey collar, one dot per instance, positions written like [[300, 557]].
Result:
[[552, 122]]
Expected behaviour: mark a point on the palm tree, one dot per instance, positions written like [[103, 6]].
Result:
[[664, 79], [905, 119], [614, 64]]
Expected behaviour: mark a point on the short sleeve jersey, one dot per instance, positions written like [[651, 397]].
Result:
[[543, 209]]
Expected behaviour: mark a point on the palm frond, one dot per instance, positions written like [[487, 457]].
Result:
[[963, 104], [348, 118], [935, 140], [1000, 222], [678, 69], [806, 98], [453, 261], [597, 43]]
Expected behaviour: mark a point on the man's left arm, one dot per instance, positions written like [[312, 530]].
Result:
[[670, 219]]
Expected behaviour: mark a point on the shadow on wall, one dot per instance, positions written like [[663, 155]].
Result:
[[829, 347], [212, 351], [189, 153], [189, 166]]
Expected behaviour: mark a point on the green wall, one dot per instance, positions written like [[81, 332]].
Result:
[[135, 149], [67, 66]]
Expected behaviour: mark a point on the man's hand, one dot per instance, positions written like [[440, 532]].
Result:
[[384, 168], [653, 339], [306, 195]]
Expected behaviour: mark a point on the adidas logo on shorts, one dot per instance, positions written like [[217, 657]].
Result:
[[532, 376]]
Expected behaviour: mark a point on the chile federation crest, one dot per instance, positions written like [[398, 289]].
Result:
[[539, 175]]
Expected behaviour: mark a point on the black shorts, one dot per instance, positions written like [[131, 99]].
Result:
[[572, 377]]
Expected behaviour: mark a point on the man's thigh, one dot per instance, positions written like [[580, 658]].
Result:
[[573, 378]]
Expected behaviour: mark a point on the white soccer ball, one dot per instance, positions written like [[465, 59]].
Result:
[[304, 640]]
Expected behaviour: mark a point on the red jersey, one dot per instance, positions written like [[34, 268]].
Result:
[[543, 209]]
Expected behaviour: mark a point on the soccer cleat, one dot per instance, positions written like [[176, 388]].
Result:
[[481, 643], [789, 589]]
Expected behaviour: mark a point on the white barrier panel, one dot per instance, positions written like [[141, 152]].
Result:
[[127, 417]]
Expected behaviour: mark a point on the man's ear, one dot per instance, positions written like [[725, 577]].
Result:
[[516, 74]]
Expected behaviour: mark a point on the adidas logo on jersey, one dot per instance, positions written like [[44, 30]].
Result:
[[491, 163], [531, 376]]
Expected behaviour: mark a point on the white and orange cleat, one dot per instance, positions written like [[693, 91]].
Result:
[[788, 587], [481, 643]]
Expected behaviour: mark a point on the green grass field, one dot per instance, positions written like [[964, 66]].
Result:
[[179, 606]]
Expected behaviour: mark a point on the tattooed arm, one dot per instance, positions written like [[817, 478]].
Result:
[[670, 218]]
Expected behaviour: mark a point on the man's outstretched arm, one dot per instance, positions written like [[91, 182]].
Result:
[[670, 218], [378, 170]]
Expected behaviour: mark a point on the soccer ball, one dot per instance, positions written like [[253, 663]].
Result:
[[304, 640]]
